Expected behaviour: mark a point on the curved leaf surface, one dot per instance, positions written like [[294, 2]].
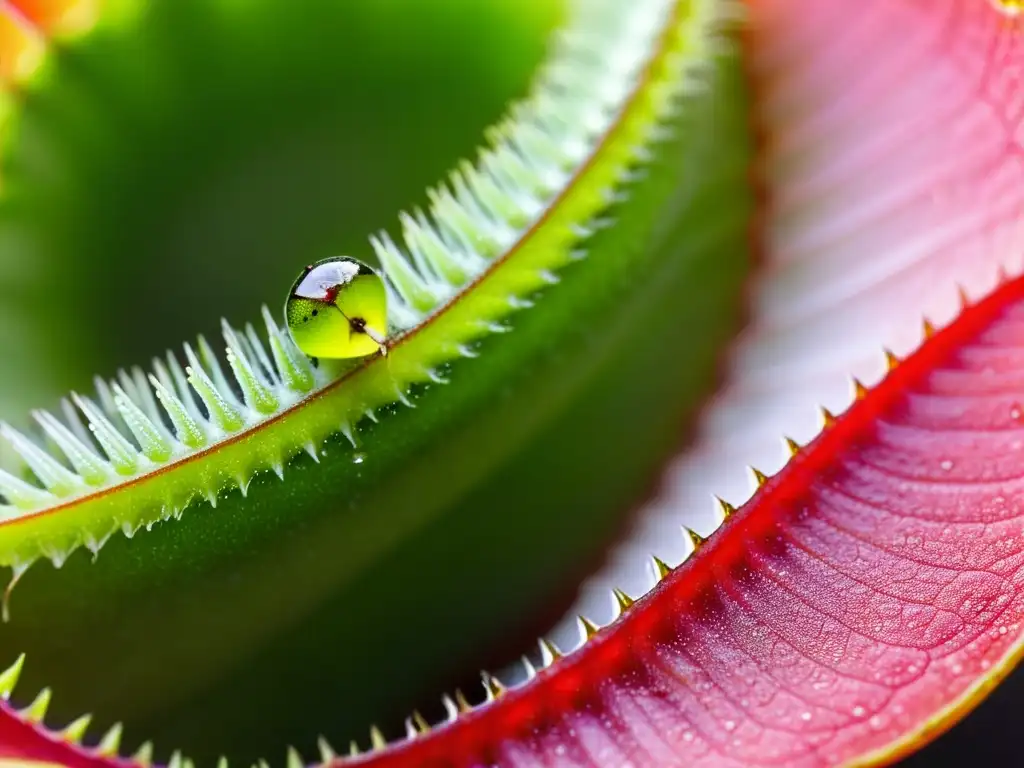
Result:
[[256, 602], [868, 594], [180, 161], [942, 630], [891, 162]]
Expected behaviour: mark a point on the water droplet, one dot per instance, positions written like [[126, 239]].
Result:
[[946, 465], [729, 725], [353, 288], [1015, 412], [877, 722], [858, 711], [358, 458], [805, 716]]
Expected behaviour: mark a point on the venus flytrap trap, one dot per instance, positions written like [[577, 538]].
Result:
[[685, 651], [863, 599], [514, 308], [483, 214]]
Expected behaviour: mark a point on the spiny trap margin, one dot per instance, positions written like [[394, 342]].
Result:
[[582, 670], [140, 425]]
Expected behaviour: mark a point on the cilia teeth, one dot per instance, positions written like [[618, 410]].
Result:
[[190, 401], [139, 422]]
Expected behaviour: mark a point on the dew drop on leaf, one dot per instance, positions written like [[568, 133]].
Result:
[[337, 309]]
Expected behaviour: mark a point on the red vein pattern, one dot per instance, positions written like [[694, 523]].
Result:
[[875, 584], [893, 164], [868, 592], [871, 588]]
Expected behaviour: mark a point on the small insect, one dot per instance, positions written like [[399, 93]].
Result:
[[338, 309]]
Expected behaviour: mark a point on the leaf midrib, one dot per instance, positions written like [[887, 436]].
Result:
[[654, 60]]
